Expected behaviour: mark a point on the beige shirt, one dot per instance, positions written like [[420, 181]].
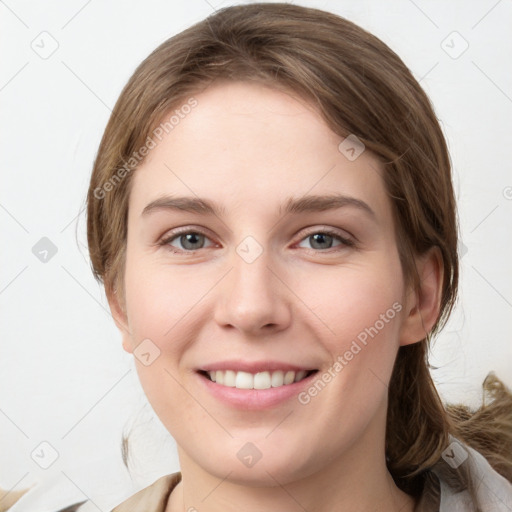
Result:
[[153, 498]]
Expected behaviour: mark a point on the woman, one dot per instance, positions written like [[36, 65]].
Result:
[[272, 215]]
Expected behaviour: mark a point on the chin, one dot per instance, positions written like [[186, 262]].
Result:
[[269, 465]]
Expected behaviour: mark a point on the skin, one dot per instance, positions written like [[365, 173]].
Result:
[[250, 147]]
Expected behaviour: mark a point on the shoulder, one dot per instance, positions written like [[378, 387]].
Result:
[[444, 493], [52, 495], [9, 498], [152, 498]]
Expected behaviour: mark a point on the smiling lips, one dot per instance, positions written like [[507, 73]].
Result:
[[254, 385], [259, 380]]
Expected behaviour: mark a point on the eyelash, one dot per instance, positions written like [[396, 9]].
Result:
[[345, 242]]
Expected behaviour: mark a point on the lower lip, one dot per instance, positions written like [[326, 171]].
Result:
[[255, 399]]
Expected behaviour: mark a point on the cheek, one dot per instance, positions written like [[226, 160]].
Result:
[[361, 312], [160, 310], [162, 305], [359, 302], [160, 301]]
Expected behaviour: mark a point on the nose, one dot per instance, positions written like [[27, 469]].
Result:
[[253, 297]]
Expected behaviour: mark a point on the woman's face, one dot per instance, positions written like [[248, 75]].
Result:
[[276, 281]]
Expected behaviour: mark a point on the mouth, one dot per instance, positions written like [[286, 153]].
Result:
[[258, 381]]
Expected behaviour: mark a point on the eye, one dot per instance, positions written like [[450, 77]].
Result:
[[190, 241], [321, 240]]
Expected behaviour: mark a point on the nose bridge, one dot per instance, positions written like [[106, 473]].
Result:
[[252, 296]]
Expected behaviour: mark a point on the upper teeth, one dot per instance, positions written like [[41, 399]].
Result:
[[261, 380]]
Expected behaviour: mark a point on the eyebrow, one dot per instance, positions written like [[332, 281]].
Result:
[[312, 203]]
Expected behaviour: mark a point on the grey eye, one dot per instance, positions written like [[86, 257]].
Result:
[[190, 241]]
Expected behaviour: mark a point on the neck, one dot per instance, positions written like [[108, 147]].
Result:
[[356, 481]]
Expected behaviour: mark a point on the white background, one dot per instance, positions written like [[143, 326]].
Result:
[[64, 377]]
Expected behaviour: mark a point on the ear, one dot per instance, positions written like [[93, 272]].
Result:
[[118, 309], [422, 306]]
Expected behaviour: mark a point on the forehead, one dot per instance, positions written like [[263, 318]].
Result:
[[245, 142]]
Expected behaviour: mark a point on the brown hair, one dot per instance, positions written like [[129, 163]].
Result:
[[361, 87]]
